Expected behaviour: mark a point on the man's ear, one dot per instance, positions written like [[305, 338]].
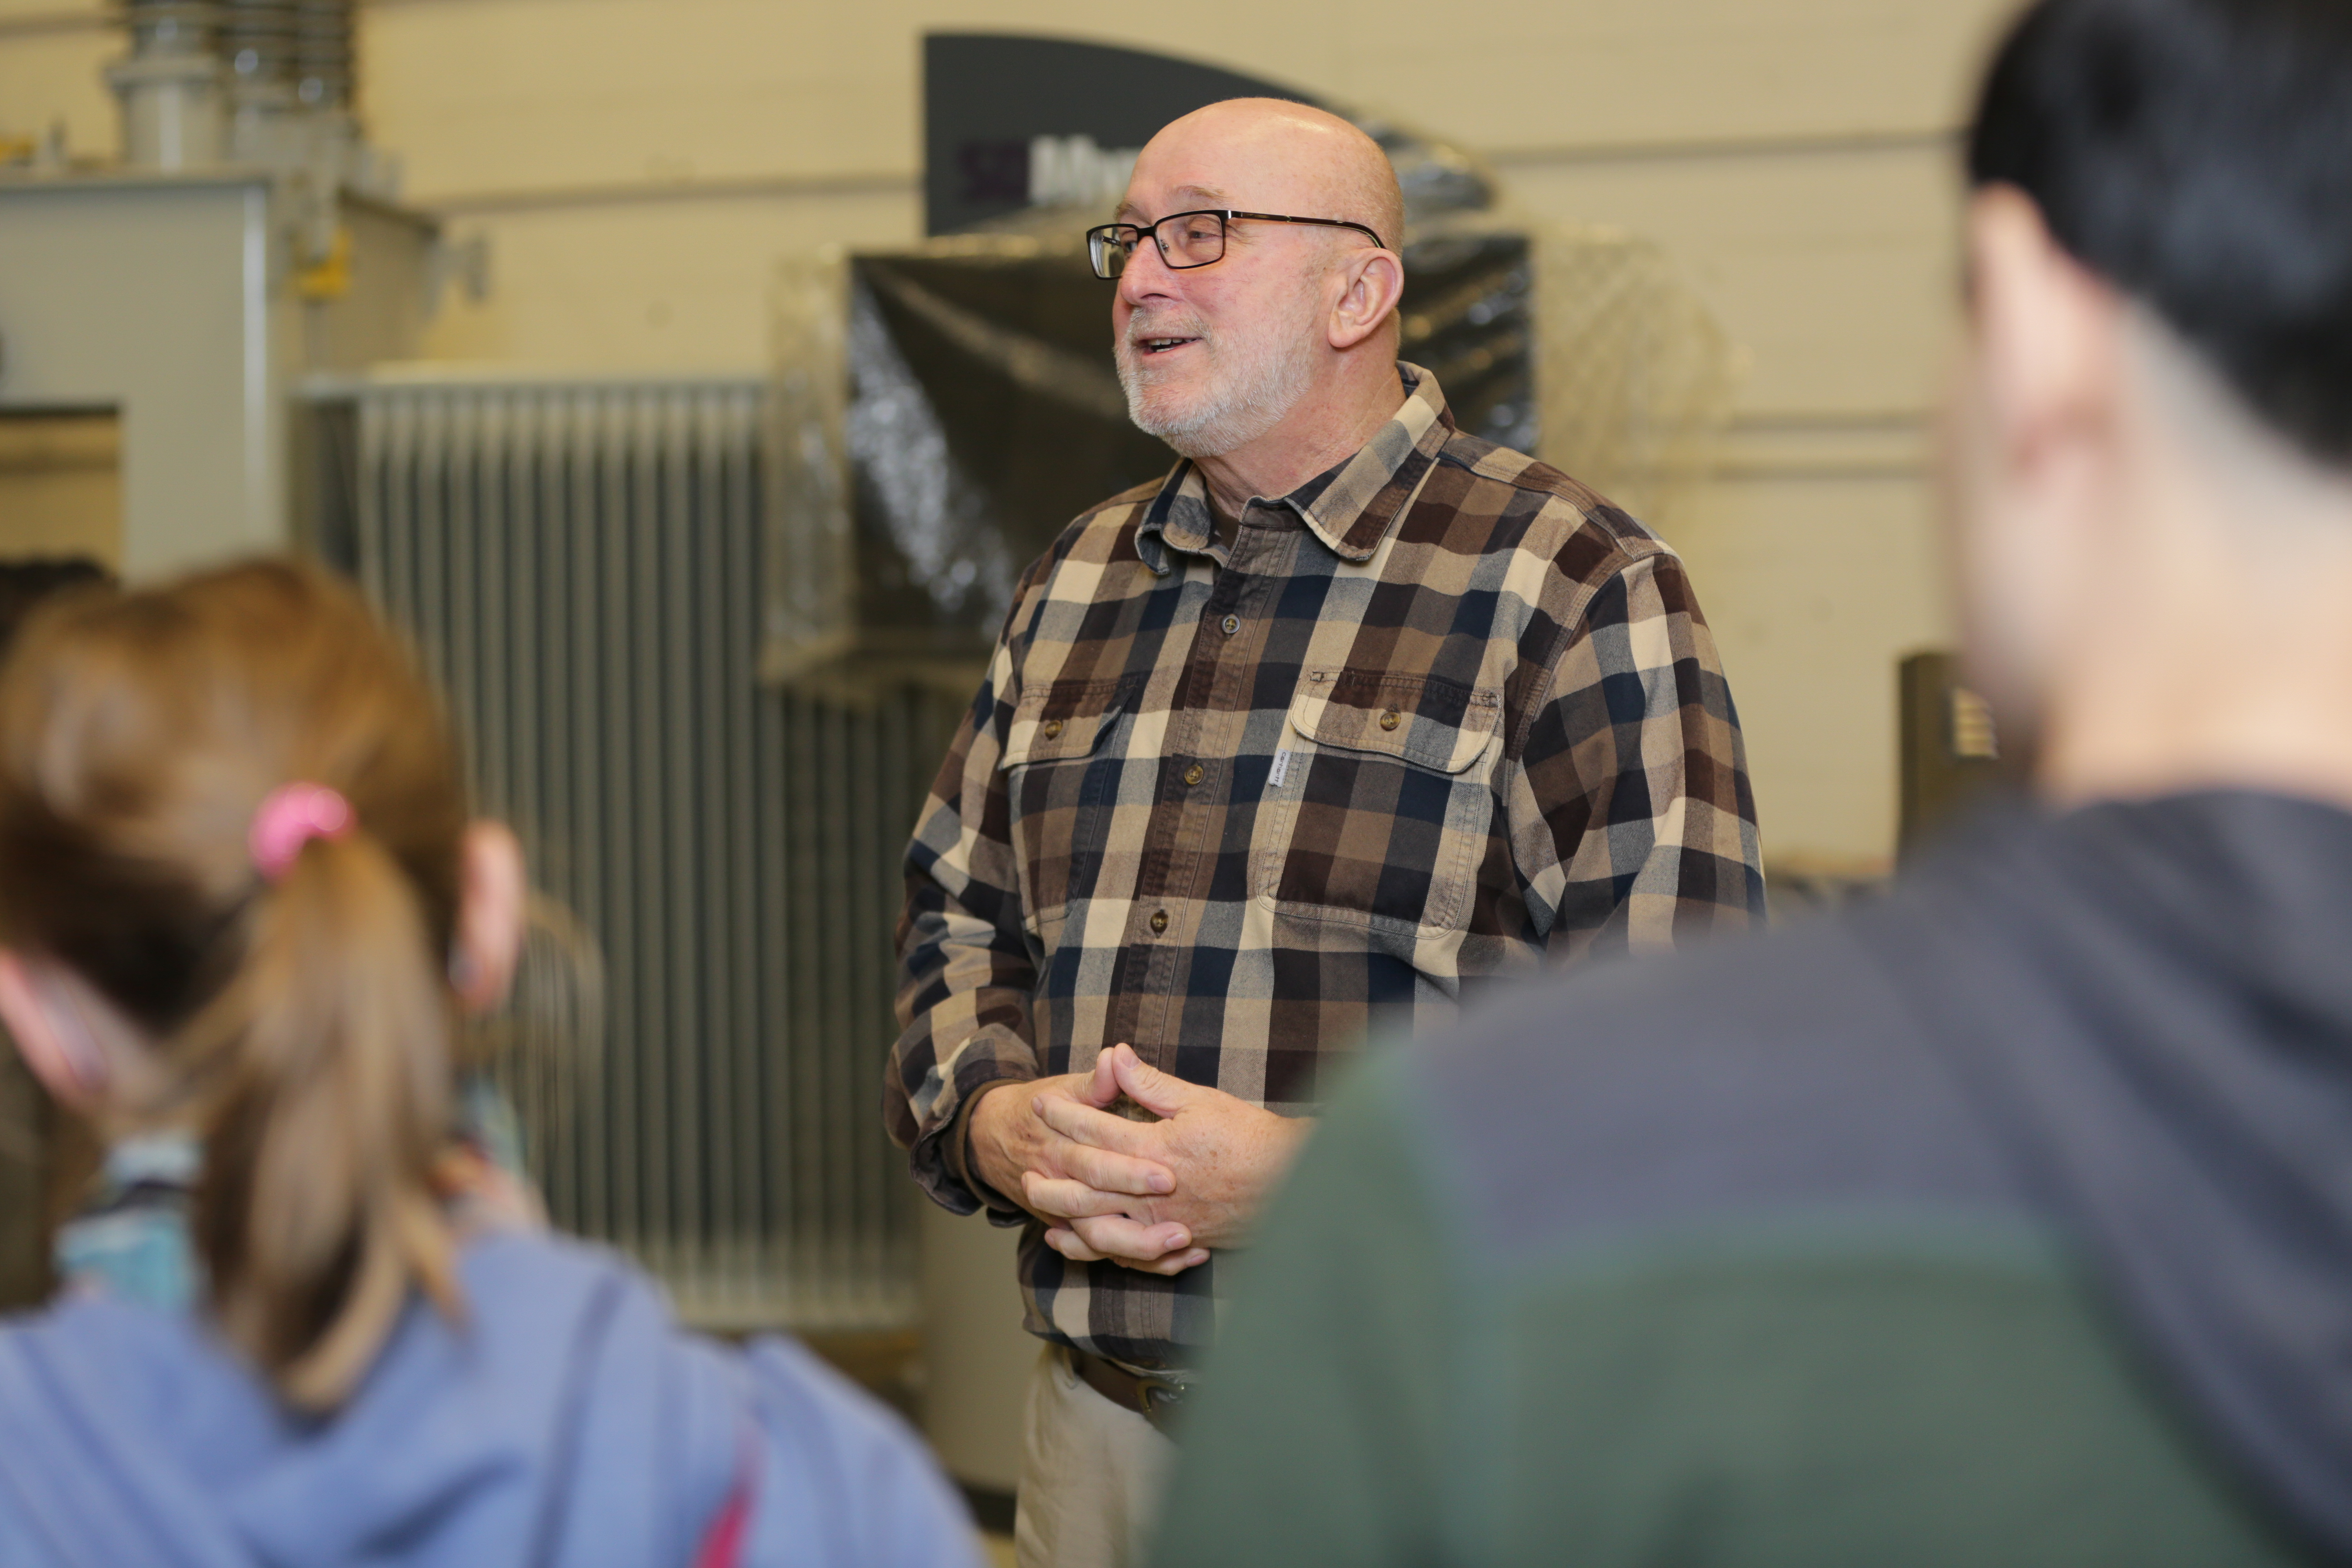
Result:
[[2048, 334], [55, 1046], [1374, 285], [493, 904]]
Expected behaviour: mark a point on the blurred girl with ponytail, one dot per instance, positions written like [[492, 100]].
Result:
[[241, 901]]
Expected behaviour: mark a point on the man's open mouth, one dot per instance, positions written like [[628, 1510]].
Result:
[[1163, 345]]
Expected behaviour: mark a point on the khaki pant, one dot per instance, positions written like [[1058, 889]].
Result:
[[1091, 1474]]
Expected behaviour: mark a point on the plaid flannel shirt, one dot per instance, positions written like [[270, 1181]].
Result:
[[1434, 716]]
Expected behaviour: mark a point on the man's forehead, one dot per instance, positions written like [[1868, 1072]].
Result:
[[1173, 180], [1185, 196], [1257, 155]]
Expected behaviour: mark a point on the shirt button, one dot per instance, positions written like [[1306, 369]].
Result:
[[1159, 921], [1389, 719], [1231, 625], [1195, 774], [1053, 728]]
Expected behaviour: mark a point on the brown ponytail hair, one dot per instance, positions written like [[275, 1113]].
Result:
[[303, 1028]]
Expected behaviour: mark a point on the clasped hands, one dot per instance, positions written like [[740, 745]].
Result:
[[1151, 1195]]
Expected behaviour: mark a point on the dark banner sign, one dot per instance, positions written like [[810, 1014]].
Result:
[[1011, 123]]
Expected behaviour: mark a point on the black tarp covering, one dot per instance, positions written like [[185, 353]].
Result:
[[985, 412]]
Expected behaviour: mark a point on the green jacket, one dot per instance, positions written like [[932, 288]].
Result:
[[1721, 1261]]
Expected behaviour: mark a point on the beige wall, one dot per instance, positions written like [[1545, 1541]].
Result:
[[636, 165]]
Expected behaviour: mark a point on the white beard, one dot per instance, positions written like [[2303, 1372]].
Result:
[[1252, 384]]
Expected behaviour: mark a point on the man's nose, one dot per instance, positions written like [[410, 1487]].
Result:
[[1147, 274]]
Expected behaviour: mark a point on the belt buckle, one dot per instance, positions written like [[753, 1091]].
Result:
[[1160, 1394]]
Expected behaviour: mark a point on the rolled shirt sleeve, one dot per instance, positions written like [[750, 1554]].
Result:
[[967, 968], [1631, 815]]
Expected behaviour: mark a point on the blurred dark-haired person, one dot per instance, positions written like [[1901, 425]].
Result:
[[2008, 1219], [241, 901]]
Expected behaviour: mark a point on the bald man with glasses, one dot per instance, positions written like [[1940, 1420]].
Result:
[[1349, 714]]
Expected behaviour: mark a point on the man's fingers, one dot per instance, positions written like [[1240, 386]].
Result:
[[1087, 1125], [1070, 1200], [1115, 1236], [1106, 1171], [1065, 1240], [1174, 1263], [1101, 1089], [1160, 1093]]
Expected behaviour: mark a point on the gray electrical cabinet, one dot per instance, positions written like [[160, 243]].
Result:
[[181, 305]]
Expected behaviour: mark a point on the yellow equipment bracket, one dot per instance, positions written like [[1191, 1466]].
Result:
[[330, 277]]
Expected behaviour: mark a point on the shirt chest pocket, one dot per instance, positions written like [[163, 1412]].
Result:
[[1377, 807], [1061, 778]]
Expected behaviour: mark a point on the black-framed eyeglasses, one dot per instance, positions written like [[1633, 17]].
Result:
[[1187, 239]]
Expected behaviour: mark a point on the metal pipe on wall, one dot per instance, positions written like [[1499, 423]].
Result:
[[257, 44], [171, 86], [263, 82]]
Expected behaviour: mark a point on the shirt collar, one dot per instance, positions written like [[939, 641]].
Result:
[[1349, 507]]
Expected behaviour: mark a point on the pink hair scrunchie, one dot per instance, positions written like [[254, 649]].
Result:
[[290, 816]]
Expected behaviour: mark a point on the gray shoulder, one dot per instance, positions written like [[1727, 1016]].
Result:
[[1757, 1073]]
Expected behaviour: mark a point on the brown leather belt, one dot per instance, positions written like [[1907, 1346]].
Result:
[[1156, 1399]]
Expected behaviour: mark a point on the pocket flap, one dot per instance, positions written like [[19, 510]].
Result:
[[1424, 720], [1065, 719]]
